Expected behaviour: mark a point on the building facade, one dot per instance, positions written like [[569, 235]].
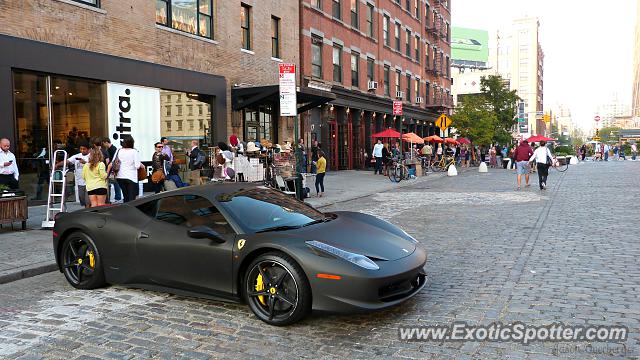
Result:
[[517, 56], [369, 53], [74, 69]]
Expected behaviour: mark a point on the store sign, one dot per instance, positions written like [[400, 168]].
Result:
[[397, 107], [134, 110], [287, 85]]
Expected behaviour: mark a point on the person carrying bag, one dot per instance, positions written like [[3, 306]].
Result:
[[544, 159]]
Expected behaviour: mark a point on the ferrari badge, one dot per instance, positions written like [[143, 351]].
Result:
[[241, 244]]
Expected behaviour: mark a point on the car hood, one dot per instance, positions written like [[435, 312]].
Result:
[[362, 234]]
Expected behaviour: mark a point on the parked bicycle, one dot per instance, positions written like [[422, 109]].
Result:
[[398, 171], [443, 164]]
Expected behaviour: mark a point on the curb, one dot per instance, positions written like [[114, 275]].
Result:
[[27, 273]]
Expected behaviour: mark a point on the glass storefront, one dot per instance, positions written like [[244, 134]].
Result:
[[258, 123], [77, 111]]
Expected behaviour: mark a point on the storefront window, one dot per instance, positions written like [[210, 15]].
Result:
[[179, 132], [258, 124], [77, 113]]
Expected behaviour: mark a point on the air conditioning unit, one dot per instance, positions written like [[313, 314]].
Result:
[[372, 85], [400, 95], [419, 100]]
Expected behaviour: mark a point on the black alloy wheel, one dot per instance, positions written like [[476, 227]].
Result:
[[81, 263], [277, 289]]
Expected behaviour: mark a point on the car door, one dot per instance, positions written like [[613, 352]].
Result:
[[170, 257]]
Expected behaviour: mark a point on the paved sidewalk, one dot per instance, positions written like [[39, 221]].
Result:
[[347, 185], [29, 253]]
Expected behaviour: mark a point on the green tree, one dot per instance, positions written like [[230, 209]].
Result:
[[502, 103], [606, 134], [474, 119]]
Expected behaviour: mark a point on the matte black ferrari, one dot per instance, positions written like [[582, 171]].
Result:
[[242, 242]]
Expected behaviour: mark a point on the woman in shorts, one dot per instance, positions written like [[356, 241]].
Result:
[[95, 175]]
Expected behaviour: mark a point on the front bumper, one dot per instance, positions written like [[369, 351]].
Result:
[[366, 290]]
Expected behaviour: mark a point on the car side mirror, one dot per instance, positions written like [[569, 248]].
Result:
[[205, 232]]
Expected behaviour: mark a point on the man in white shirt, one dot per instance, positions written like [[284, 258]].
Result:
[[377, 154], [78, 161], [9, 173]]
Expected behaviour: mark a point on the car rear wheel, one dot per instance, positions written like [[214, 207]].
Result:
[[81, 263], [277, 289]]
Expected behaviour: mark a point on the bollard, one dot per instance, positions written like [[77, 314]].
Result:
[[574, 161], [452, 171], [483, 167]]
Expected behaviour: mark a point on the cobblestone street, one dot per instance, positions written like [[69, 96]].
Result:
[[567, 254]]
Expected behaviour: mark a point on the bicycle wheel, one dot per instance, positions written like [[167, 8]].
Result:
[[404, 173], [561, 167], [394, 174]]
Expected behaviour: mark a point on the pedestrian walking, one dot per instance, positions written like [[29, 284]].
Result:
[[615, 152], [166, 149], [322, 169], [125, 166], [78, 161], [606, 152], [386, 158], [583, 152], [377, 154], [197, 159], [512, 156], [493, 161], [95, 178], [157, 165], [634, 151], [543, 159], [111, 151], [9, 173], [523, 154]]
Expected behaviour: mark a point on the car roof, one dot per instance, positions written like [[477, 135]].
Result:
[[210, 191]]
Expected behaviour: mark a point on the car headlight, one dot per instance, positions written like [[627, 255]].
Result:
[[356, 259]]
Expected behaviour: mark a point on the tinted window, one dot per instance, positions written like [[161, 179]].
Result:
[[189, 211], [262, 208]]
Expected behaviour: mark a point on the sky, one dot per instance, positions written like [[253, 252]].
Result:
[[588, 46]]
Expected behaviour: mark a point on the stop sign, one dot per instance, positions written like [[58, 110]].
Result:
[[597, 118]]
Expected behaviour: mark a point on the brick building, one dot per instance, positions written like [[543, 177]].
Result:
[[369, 53], [72, 69]]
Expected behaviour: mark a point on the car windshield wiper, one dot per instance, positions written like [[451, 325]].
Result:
[[278, 228], [326, 219]]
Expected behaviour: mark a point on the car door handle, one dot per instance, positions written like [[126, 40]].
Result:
[[143, 235]]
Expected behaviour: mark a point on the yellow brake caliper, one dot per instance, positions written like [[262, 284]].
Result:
[[260, 287], [92, 259]]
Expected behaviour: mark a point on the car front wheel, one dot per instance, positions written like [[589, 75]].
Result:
[[277, 289], [81, 262]]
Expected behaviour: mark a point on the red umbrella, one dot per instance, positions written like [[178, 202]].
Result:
[[412, 138], [389, 133], [433, 138], [451, 141], [538, 138], [464, 141]]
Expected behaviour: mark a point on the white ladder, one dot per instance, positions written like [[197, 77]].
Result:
[[52, 207]]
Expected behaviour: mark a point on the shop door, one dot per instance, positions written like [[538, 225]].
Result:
[[53, 113], [345, 147], [333, 144], [358, 146]]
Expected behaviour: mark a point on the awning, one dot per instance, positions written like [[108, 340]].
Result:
[[308, 98]]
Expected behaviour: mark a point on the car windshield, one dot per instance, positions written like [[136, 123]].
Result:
[[262, 209]]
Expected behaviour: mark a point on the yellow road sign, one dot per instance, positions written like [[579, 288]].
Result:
[[596, 138], [443, 122]]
